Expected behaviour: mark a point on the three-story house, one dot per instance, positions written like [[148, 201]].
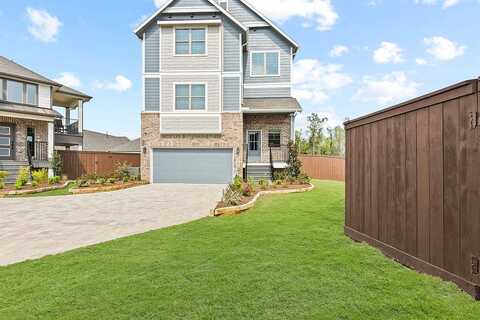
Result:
[[216, 92]]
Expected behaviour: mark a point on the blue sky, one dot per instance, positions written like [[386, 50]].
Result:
[[386, 51]]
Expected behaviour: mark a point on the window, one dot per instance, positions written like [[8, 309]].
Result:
[[31, 141], [190, 41], [31, 94], [14, 91], [19, 92], [265, 64], [190, 97], [274, 138]]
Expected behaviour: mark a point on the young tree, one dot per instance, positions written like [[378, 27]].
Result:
[[294, 165], [301, 142], [315, 130]]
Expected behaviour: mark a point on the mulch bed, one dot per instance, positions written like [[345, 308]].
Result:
[[94, 188]]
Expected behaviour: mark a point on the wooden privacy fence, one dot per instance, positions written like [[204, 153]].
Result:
[[413, 183], [81, 163], [323, 168]]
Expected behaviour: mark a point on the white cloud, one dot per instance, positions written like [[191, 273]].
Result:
[[313, 80], [68, 79], [158, 3], [43, 26], [445, 3], [388, 52], [443, 49], [319, 12], [389, 88], [339, 51], [420, 61], [120, 84]]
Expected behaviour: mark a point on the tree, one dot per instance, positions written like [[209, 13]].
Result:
[[301, 142], [315, 130], [294, 165]]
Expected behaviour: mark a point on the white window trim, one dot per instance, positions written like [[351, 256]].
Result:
[[9, 142], [190, 93], [190, 40], [265, 63], [9, 130]]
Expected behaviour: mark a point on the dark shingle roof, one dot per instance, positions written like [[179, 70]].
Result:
[[101, 142], [271, 105], [8, 107], [11, 68], [130, 147]]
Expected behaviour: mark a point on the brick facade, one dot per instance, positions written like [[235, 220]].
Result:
[[266, 122], [232, 137], [21, 125]]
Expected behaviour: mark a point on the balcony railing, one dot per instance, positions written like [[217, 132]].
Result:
[[279, 154], [37, 151], [70, 129]]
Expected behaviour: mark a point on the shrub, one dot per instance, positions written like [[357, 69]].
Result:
[[122, 170], [57, 164], [263, 184], [34, 184], [3, 175], [82, 183], [304, 178], [54, 180], [279, 175], [231, 197], [40, 176], [101, 181], [126, 179], [237, 183], [2, 185], [294, 164], [111, 180], [22, 179]]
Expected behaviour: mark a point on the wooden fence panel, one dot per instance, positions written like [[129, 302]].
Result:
[[81, 163], [323, 168]]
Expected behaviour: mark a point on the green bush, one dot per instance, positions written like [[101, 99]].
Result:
[[294, 164], [54, 180], [304, 178], [34, 184], [111, 180], [2, 185], [101, 181], [82, 183], [40, 176], [56, 163], [263, 184], [3, 175], [122, 170], [231, 197], [23, 176], [126, 179], [237, 183]]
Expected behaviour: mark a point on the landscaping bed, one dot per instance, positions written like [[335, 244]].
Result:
[[11, 190], [98, 187]]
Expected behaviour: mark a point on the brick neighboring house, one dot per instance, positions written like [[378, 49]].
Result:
[[36, 116], [217, 98]]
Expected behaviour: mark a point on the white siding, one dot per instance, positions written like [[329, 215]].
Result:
[[213, 90], [170, 62], [44, 96], [190, 124]]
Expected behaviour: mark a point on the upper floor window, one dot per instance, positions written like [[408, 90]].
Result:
[[190, 41], [19, 92], [190, 97], [265, 64]]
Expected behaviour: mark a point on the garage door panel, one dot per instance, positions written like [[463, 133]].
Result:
[[197, 166]]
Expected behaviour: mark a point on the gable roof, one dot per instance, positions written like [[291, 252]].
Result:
[[141, 27], [273, 25], [11, 68], [101, 142]]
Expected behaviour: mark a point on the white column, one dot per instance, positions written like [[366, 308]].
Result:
[[80, 121], [51, 145]]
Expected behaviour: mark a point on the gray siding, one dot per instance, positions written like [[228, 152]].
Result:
[[268, 39], [201, 166], [152, 94], [231, 44], [152, 49], [231, 94], [242, 13], [210, 62], [190, 124], [267, 92], [190, 3], [213, 90]]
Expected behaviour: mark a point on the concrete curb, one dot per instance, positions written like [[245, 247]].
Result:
[[39, 190], [249, 205]]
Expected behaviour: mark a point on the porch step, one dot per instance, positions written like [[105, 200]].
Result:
[[259, 172], [12, 167]]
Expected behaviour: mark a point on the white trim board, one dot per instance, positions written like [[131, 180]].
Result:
[[189, 22], [266, 85]]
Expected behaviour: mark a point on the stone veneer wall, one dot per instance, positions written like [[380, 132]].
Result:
[[21, 125], [232, 137], [266, 122]]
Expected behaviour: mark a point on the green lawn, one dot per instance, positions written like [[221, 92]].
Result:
[[285, 259], [58, 192]]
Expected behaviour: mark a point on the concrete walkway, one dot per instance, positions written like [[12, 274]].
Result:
[[35, 227]]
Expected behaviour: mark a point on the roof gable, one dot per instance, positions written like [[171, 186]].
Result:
[[139, 30]]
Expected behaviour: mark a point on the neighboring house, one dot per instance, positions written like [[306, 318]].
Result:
[[30, 127], [217, 92], [132, 146], [103, 142]]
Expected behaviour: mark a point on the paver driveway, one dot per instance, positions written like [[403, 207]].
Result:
[[35, 227]]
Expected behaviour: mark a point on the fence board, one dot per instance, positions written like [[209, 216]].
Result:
[[324, 168], [82, 163]]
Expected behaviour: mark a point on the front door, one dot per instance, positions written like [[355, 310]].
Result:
[[254, 138], [6, 141]]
